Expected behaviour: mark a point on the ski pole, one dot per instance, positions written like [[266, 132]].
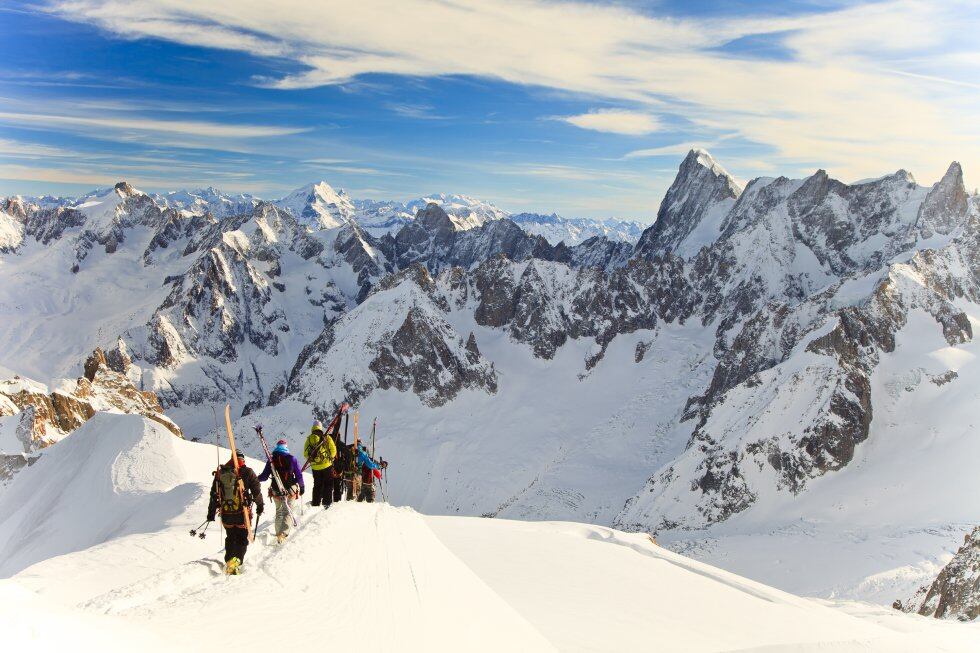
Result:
[[195, 530]]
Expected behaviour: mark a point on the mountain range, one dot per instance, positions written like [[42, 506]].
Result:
[[319, 206], [772, 376]]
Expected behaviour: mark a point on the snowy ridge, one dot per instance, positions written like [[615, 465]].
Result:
[[412, 581]]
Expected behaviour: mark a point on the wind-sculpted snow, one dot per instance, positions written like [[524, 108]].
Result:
[[120, 465]]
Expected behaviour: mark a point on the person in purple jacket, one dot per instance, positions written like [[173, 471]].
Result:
[[289, 471]]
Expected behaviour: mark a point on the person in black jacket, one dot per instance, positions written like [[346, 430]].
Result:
[[225, 498]]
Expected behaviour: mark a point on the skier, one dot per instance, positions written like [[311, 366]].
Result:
[[287, 467], [347, 472], [320, 450], [226, 498], [369, 471]]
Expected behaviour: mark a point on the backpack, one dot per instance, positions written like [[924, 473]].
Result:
[[231, 498], [345, 459], [284, 468]]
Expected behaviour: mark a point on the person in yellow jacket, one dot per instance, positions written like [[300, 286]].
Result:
[[321, 451]]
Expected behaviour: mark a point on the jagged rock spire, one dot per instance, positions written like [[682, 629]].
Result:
[[701, 184], [946, 206]]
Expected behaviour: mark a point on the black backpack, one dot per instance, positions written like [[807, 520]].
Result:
[[345, 460]]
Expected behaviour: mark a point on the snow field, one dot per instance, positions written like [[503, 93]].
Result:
[[358, 574]]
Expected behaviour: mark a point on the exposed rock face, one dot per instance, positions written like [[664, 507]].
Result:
[[813, 360], [12, 219], [702, 191], [47, 416], [946, 201], [236, 295], [401, 340], [434, 240], [955, 594]]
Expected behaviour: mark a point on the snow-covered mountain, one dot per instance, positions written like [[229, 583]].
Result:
[[102, 557], [319, 206], [762, 354], [207, 200], [573, 231]]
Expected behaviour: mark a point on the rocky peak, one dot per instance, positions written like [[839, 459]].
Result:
[[14, 206], [125, 190], [398, 338], [435, 219], [46, 416], [946, 205], [702, 189], [319, 206]]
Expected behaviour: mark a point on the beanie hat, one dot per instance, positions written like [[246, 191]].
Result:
[[282, 441]]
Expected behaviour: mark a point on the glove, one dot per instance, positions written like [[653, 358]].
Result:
[[302, 490], [384, 464], [259, 509], [210, 517]]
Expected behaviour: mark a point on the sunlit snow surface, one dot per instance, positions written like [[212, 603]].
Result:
[[106, 563]]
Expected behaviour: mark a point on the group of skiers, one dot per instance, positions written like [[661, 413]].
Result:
[[336, 467]]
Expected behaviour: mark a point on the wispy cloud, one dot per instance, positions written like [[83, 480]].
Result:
[[831, 99], [181, 127], [615, 121], [416, 111], [664, 150]]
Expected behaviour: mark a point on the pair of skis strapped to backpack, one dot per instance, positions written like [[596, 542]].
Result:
[[239, 483], [275, 475]]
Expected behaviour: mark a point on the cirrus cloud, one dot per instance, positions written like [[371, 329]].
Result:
[[858, 91]]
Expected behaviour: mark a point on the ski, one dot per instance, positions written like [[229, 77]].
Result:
[[241, 484], [334, 424], [356, 438], [275, 474], [355, 484]]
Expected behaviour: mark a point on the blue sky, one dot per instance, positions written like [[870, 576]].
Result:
[[584, 109]]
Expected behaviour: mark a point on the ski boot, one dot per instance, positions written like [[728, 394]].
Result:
[[280, 538], [233, 567]]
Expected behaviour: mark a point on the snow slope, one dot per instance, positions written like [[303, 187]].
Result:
[[110, 552], [875, 530]]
